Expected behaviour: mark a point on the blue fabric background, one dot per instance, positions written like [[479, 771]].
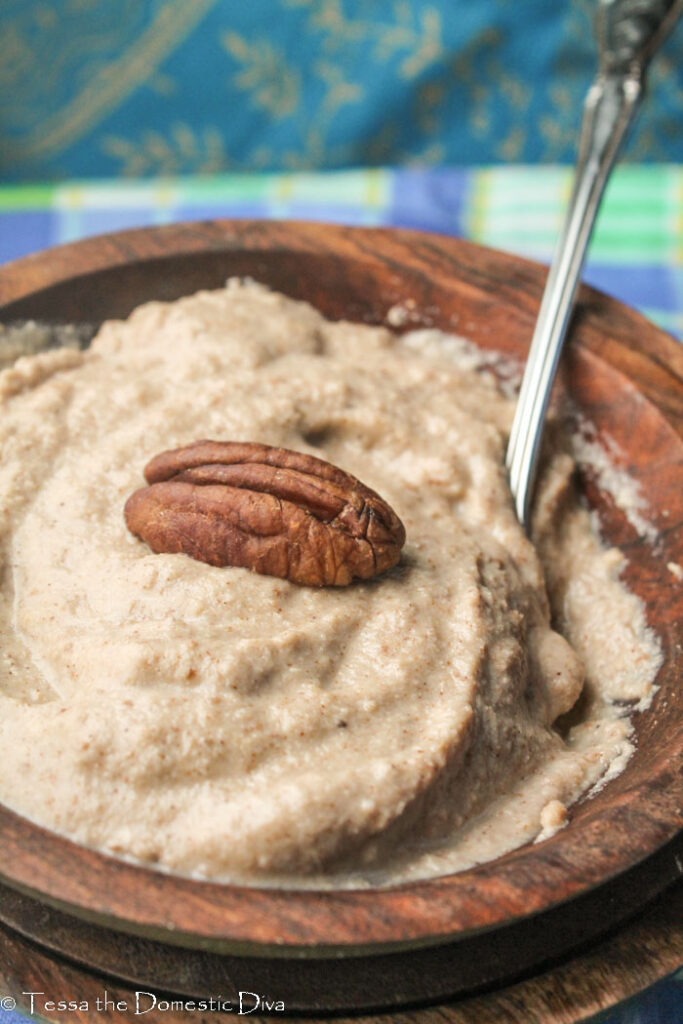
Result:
[[121, 87]]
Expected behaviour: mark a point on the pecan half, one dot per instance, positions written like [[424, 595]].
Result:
[[279, 512]]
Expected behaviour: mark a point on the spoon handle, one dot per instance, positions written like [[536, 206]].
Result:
[[628, 32]]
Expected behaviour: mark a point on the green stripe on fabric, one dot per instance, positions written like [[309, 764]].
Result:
[[26, 197], [522, 209]]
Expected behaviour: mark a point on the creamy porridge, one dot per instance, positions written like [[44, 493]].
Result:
[[238, 726]]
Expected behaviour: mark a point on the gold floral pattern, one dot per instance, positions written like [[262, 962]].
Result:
[[116, 87]]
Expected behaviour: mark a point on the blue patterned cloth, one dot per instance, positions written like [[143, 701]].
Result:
[[119, 87], [660, 1004]]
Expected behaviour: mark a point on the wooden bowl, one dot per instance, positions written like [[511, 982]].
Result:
[[430, 939]]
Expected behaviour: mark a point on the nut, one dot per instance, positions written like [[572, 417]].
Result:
[[279, 512]]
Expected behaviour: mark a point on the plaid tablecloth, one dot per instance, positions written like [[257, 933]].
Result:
[[636, 255]]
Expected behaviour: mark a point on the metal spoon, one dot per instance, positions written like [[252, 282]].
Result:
[[628, 32]]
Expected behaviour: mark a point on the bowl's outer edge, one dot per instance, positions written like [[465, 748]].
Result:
[[497, 297]]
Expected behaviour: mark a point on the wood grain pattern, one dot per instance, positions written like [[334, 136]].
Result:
[[646, 950], [623, 372], [343, 983]]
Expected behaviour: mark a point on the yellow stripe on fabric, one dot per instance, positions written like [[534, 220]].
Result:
[[476, 214], [375, 181], [284, 187], [677, 214]]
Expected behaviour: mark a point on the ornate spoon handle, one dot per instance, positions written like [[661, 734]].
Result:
[[628, 32]]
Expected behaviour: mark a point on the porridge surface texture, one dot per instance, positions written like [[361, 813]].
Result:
[[236, 726]]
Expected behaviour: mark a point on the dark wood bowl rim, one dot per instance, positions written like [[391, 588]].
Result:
[[141, 900]]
